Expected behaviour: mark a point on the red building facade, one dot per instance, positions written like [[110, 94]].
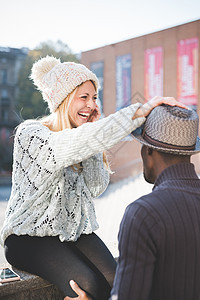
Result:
[[162, 63]]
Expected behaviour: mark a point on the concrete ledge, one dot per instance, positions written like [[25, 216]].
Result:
[[29, 287]]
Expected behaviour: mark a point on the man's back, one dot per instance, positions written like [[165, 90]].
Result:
[[159, 240]]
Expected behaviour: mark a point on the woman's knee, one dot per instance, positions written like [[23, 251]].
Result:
[[96, 287]]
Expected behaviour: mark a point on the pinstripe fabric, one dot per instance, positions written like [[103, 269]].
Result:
[[159, 240]]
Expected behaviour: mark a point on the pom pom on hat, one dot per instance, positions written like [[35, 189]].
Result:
[[41, 68], [56, 80]]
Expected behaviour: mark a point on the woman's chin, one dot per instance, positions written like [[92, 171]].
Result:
[[79, 123]]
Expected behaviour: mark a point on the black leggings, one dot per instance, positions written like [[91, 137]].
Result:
[[87, 261]]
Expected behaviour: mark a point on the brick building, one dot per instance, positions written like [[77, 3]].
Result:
[[162, 63]]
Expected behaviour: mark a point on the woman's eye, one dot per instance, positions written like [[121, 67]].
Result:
[[84, 97], [95, 99]]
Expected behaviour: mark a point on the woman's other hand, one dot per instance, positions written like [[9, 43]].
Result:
[[95, 116], [81, 294], [146, 108]]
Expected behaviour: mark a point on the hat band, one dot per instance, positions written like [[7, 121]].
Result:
[[156, 143]]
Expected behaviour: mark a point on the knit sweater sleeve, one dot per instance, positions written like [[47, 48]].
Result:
[[96, 176], [56, 150], [72, 146]]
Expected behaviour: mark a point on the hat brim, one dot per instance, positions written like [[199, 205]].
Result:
[[137, 134]]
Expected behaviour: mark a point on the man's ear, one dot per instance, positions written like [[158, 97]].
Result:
[[149, 151]]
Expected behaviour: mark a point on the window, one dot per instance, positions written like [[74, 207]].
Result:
[[187, 68], [123, 81], [4, 113], [4, 97], [4, 60], [3, 76], [4, 93]]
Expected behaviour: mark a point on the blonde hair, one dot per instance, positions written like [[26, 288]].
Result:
[[59, 120]]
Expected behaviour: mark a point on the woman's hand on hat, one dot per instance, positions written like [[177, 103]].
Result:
[[95, 116], [146, 108], [81, 294]]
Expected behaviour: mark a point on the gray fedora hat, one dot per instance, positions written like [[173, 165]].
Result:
[[170, 129]]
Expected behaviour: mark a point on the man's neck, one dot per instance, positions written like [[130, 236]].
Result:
[[162, 161]]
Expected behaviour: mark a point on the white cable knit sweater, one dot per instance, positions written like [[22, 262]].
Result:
[[48, 198]]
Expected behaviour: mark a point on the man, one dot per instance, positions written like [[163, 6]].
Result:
[[159, 238]]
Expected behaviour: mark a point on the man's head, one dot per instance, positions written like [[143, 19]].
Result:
[[154, 162], [169, 136]]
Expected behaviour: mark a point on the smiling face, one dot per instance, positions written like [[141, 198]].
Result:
[[83, 104]]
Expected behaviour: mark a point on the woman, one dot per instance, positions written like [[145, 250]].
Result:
[[58, 169]]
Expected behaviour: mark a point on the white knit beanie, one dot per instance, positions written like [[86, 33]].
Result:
[[56, 80]]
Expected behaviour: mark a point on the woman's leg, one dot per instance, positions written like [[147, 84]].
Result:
[[99, 255], [57, 262]]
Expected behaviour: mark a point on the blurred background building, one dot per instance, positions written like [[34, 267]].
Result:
[[10, 63], [163, 63]]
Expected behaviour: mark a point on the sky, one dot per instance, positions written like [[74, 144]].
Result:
[[88, 24]]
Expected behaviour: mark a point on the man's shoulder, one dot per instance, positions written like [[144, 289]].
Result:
[[149, 202], [164, 198], [152, 196], [141, 203], [142, 213]]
